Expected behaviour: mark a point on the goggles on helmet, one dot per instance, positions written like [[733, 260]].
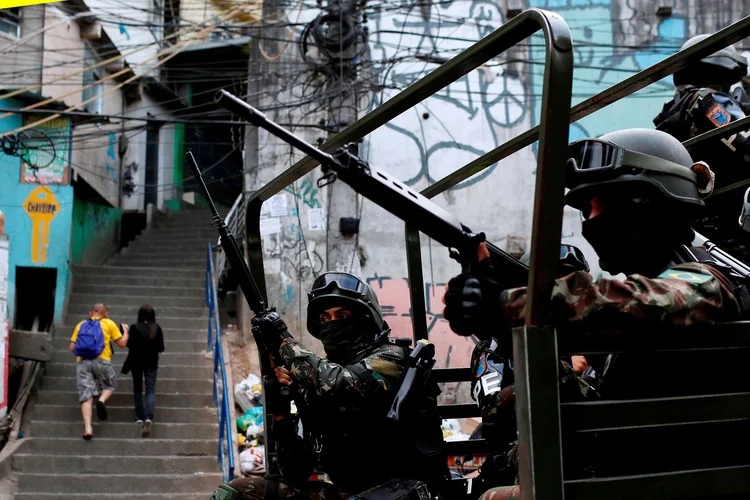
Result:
[[590, 158], [573, 258], [346, 283]]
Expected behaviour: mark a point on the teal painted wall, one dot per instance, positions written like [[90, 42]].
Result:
[[95, 232], [20, 227], [601, 60]]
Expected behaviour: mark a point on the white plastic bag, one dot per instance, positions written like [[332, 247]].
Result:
[[251, 460], [243, 391]]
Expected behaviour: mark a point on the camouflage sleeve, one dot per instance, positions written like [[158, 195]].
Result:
[[374, 375], [686, 294]]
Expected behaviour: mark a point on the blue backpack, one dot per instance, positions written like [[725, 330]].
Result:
[[90, 341]]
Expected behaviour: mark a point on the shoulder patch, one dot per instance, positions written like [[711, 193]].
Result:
[[696, 278], [718, 115], [383, 367]]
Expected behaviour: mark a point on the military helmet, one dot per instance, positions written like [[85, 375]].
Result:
[[636, 163], [334, 289], [727, 66]]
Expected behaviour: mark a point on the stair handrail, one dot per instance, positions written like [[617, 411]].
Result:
[[235, 221], [225, 456]]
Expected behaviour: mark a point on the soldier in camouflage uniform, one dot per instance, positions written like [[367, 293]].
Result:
[[637, 191], [344, 399], [704, 101]]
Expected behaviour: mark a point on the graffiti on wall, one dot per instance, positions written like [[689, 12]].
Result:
[[110, 161], [459, 123]]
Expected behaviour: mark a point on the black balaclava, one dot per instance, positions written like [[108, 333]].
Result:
[[633, 238], [344, 340]]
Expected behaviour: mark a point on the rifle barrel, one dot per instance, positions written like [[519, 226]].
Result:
[[199, 178], [244, 110]]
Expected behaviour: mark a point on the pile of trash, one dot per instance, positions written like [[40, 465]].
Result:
[[247, 395]]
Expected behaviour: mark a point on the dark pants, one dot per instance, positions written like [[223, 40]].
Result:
[[150, 375]]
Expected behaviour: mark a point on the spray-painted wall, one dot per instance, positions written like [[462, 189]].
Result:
[[613, 39], [37, 221]]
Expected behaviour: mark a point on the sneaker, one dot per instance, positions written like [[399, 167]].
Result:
[[146, 431], [101, 410], [139, 421]]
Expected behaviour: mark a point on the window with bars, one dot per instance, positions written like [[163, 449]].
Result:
[[89, 77], [10, 23]]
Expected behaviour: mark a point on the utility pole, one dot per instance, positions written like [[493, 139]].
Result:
[[342, 249]]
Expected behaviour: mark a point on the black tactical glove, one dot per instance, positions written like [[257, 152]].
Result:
[[272, 328], [471, 302]]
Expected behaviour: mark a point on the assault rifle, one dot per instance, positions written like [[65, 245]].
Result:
[[392, 195], [267, 347]]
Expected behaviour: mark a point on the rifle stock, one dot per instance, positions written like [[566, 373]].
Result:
[[394, 196]]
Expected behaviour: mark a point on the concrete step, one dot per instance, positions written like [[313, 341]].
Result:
[[195, 229], [164, 386], [61, 343], [194, 265], [163, 415], [188, 398], [159, 464], [68, 369], [167, 358], [134, 484], [175, 244], [155, 301], [155, 286], [166, 252], [136, 258], [120, 310], [107, 274], [112, 496], [173, 329], [187, 236], [124, 430], [136, 446]]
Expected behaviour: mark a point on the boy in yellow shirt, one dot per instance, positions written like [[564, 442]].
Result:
[[94, 368]]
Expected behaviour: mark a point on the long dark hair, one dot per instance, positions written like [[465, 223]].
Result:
[[146, 314]]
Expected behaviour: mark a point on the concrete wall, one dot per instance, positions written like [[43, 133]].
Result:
[[31, 245], [138, 43], [22, 66], [95, 232], [95, 159], [64, 58]]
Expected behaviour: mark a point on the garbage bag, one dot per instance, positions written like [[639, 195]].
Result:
[[251, 460], [252, 417], [246, 390]]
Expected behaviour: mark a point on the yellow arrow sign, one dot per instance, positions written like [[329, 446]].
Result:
[[41, 206]]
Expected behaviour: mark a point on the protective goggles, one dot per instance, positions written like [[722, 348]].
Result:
[[573, 257], [592, 157], [346, 283]]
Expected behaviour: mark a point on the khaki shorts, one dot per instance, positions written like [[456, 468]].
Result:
[[94, 375]]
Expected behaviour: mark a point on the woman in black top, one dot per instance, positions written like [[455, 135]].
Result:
[[144, 345]]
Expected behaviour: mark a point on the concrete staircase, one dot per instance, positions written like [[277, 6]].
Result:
[[164, 267]]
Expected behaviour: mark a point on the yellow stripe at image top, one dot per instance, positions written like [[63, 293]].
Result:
[[7, 4]]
